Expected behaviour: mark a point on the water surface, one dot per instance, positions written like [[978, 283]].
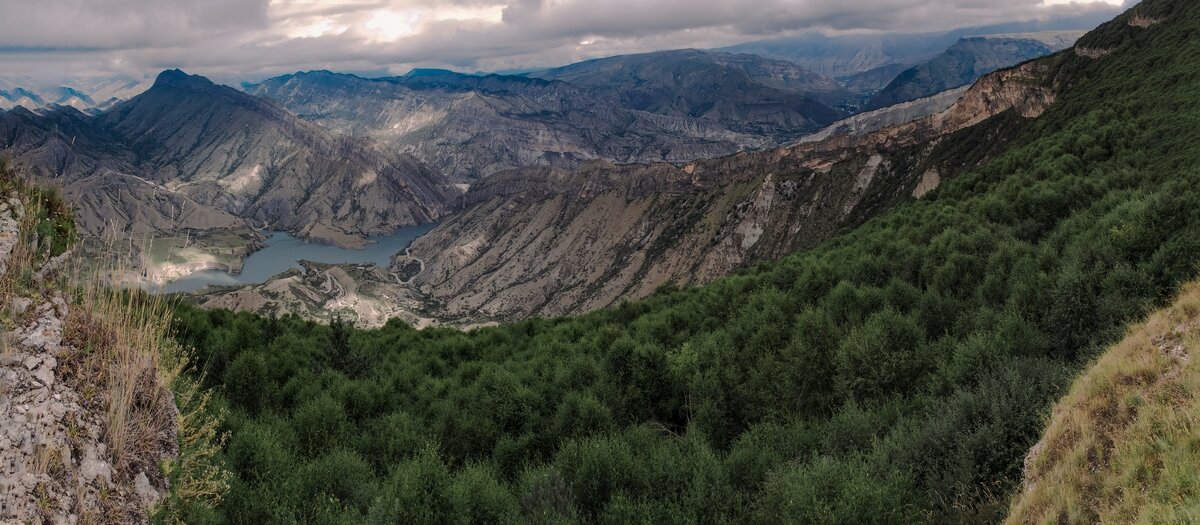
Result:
[[284, 251]]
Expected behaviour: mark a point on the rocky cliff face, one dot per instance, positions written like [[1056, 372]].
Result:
[[545, 241], [966, 61], [469, 126], [60, 458], [898, 114]]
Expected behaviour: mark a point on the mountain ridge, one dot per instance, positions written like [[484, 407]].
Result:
[[471, 126]]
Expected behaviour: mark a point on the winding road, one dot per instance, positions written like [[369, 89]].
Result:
[[408, 254]]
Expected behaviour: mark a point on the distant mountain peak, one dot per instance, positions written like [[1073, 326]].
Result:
[[431, 72], [177, 78]]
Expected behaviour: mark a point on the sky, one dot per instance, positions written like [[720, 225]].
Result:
[[234, 40]]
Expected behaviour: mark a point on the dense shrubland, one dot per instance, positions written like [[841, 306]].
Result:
[[897, 373]]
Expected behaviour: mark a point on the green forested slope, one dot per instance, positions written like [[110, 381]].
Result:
[[897, 373]]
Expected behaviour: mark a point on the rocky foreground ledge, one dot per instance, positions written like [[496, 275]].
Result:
[[56, 460]]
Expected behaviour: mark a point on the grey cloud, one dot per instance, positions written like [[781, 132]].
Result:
[[249, 39], [125, 24]]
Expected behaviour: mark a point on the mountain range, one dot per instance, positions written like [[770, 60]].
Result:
[[87, 95], [193, 154], [884, 55], [471, 126], [966, 61], [336, 157]]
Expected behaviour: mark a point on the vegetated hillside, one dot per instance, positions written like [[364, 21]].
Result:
[[896, 374], [1121, 446], [191, 154], [472, 126], [961, 64]]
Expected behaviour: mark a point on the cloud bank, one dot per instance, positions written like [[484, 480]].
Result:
[[236, 40]]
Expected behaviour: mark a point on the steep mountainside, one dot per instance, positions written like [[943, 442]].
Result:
[[471, 126], [962, 64], [741, 91], [196, 154], [548, 241], [95, 170], [876, 120], [254, 159]]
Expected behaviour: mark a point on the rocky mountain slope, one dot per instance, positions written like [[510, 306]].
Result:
[[95, 169], [471, 126], [966, 61], [191, 154], [545, 241]]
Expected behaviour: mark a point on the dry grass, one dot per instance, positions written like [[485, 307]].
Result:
[[1124, 445], [118, 338], [157, 420]]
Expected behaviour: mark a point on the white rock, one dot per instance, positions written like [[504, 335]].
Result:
[[92, 467], [145, 490]]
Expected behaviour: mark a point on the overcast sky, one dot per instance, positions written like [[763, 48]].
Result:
[[253, 39]]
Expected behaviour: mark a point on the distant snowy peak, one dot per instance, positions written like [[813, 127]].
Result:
[[86, 94]]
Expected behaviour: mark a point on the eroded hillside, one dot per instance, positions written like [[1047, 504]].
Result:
[[547, 242]]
